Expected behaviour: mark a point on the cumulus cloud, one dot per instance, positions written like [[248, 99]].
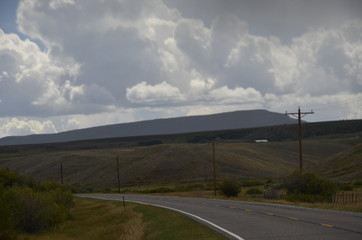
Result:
[[105, 57], [226, 95], [15, 126], [54, 4], [162, 93]]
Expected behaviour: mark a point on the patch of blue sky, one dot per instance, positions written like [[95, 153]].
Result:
[[8, 21]]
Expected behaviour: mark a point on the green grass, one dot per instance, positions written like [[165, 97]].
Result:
[[164, 224], [107, 220]]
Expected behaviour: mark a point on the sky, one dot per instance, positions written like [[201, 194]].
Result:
[[70, 64]]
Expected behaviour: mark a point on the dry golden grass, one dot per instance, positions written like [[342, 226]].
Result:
[[94, 169], [95, 220], [109, 220]]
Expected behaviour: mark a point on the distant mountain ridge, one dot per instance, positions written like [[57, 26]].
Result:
[[220, 121]]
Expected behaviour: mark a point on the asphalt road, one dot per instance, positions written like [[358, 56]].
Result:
[[250, 221]]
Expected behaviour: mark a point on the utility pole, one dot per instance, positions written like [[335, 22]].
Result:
[[61, 172], [299, 115], [214, 164], [119, 184], [214, 142]]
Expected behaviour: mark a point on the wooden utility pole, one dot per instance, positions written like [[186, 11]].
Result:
[[61, 172], [214, 164], [299, 115], [119, 184]]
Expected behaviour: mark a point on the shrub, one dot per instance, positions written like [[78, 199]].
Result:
[[253, 191], [297, 197], [230, 187], [30, 206], [36, 211], [159, 190], [345, 187], [62, 197], [358, 183], [252, 182], [7, 229], [309, 187], [149, 143]]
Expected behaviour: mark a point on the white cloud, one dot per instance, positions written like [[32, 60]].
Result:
[[162, 93], [104, 57], [236, 96], [325, 61], [15, 126], [35, 83], [54, 4]]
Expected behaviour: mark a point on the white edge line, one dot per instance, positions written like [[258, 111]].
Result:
[[183, 212]]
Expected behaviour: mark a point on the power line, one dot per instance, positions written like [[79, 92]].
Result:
[[333, 105]]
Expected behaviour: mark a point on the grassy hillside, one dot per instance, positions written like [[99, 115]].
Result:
[[332, 148], [166, 163], [344, 166]]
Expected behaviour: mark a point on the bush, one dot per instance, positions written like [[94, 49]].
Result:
[[7, 229], [252, 191], [295, 197], [358, 183], [62, 197], [10, 178], [149, 143], [30, 206], [309, 187], [252, 182], [230, 187], [36, 211], [345, 187], [159, 190]]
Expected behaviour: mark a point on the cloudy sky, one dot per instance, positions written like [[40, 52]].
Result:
[[68, 64]]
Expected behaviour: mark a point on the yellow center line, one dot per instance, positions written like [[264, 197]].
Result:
[[248, 210], [268, 213], [326, 225], [293, 218]]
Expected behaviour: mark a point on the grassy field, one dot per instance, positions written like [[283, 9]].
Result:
[[332, 149], [345, 165], [107, 220], [95, 169]]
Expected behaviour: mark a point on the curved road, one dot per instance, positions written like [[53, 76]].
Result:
[[251, 221]]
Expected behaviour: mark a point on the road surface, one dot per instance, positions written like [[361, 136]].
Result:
[[251, 221]]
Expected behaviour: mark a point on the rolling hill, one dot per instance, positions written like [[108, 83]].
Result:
[[171, 163], [330, 148], [345, 165], [150, 152], [221, 121]]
